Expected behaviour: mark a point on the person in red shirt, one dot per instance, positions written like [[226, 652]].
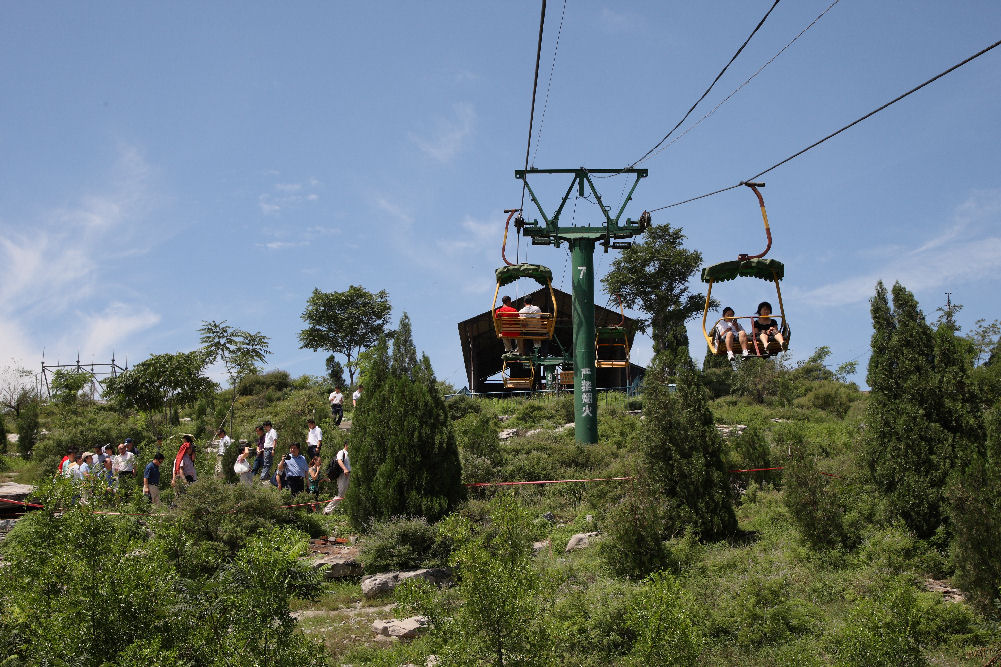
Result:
[[507, 310]]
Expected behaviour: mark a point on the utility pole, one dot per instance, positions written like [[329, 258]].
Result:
[[582, 242]]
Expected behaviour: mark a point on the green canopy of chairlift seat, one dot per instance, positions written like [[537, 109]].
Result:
[[508, 274], [765, 269]]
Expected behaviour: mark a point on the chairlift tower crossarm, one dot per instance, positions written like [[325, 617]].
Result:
[[582, 241]]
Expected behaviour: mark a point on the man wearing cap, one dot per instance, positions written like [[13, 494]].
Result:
[[314, 439], [151, 479], [268, 453], [130, 445], [293, 467]]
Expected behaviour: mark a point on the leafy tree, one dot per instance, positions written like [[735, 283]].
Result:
[[405, 461], [335, 371], [345, 322], [653, 276], [683, 453], [67, 384], [3, 435], [17, 388], [917, 423], [240, 351], [27, 428], [162, 382]]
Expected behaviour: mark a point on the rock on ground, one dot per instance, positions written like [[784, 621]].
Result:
[[507, 434], [581, 541], [14, 491], [336, 561], [384, 582], [402, 628]]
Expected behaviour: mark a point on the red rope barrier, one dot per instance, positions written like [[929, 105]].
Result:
[[551, 481]]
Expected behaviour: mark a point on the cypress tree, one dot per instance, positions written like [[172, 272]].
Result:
[[3, 436], [405, 461], [974, 507], [683, 452], [914, 431]]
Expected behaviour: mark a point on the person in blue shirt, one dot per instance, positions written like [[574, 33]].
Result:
[[293, 467], [151, 479]]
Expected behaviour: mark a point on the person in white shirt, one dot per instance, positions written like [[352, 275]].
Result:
[[124, 464], [336, 399], [356, 396], [314, 439], [729, 328], [270, 440], [224, 441], [529, 310], [343, 463]]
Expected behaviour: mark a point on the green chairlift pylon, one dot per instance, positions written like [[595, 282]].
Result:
[[582, 240]]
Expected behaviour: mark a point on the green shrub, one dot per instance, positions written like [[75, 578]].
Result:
[[883, 629], [495, 613], [461, 405], [272, 381], [662, 617], [830, 396], [634, 546], [813, 501], [402, 543], [27, 428], [476, 433]]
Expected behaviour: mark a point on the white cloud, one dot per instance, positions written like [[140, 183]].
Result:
[[286, 195], [395, 210], [54, 266], [618, 22], [281, 245], [967, 250], [105, 331], [450, 135]]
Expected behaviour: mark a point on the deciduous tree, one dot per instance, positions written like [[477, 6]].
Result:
[[653, 276], [345, 322]]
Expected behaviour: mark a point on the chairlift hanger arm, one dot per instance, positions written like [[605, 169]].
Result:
[[611, 228]]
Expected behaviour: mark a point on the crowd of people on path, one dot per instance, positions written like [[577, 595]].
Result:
[[764, 329], [296, 470]]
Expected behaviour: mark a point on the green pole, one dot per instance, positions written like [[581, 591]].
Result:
[[585, 402]]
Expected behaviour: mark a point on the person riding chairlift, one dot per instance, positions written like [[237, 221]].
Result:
[[728, 329]]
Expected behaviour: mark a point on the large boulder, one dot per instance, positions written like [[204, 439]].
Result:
[[581, 541], [378, 584], [15, 492], [402, 628], [338, 562]]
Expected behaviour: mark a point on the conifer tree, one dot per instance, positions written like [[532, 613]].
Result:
[[683, 453], [974, 507], [915, 426], [404, 459]]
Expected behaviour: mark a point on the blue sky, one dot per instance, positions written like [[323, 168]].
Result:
[[169, 163]]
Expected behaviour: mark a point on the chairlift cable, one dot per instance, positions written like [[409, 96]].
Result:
[[747, 81], [535, 87], [549, 84], [836, 133], [718, 76]]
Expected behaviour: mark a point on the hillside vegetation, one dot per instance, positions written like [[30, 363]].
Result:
[[769, 514]]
